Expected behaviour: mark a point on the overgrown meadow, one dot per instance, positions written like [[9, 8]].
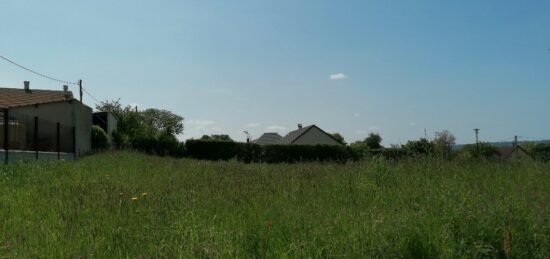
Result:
[[125, 204]]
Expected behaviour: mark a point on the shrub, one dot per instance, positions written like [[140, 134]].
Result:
[[100, 140]]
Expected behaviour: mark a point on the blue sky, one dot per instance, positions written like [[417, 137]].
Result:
[[262, 66]]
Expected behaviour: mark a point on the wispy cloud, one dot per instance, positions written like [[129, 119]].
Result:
[[338, 76], [253, 125], [201, 123], [276, 128], [356, 115]]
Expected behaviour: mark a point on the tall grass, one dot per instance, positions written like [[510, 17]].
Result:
[[188, 208]]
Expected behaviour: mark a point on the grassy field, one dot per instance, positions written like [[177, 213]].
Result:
[[132, 205]]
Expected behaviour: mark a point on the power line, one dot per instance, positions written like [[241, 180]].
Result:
[[88, 93], [36, 73], [48, 77]]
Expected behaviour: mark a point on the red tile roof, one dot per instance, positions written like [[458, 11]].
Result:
[[14, 97]]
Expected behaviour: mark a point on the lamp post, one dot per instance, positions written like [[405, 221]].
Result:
[[247, 136], [477, 140]]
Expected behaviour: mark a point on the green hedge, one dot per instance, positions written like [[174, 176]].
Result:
[[387, 153], [248, 152], [541, 152], [211, 150]]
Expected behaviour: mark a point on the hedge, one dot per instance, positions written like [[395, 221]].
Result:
[[211, 150], [541, 152], [248, 152]]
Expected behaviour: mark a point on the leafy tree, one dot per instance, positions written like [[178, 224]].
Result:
[[152, 130], [419, 147], [373, 141], [443, 143], [215, 137], [163, 121], [339, 138]]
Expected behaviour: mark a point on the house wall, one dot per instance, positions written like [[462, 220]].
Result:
[[112, 124], [69, 113], [315, 136]]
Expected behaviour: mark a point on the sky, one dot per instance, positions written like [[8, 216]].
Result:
[[403, 69]]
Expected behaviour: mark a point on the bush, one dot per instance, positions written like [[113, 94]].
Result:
[[100, 140]]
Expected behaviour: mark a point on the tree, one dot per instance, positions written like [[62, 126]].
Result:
[[163, 121], [419, 147], [215, 137], [443, 143], [151, 131], [339, 138], [373, 141]]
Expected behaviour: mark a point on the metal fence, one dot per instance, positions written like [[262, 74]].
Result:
[[25, 137]]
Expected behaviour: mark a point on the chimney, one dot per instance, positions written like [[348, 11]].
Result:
[[27, 85], [299, 126], [68, 95]]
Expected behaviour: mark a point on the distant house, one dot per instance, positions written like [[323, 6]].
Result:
[[310, 135], [49, 108], [513, 153], [107, 121], [268, 139]]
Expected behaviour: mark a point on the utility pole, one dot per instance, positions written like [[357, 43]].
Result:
[[80, 87], [477, 140]]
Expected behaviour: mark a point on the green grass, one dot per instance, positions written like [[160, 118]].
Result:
[[418, 208]]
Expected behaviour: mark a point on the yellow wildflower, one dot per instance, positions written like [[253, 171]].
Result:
[[134, 198], [144, 194]]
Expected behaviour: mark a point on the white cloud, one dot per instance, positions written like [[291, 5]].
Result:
[[356, 115], [339, 76], [276, 128], [253, 125]]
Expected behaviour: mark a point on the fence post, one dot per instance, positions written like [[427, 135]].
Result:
[[36, 136], [58, 144], [74, 143], [6, 133]]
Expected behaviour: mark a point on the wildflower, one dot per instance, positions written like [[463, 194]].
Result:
[[134, 198], [144, 194], [269, 223], [121, 194]]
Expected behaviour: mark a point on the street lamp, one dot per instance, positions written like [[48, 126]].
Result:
[[247, 136], [477, 140]]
